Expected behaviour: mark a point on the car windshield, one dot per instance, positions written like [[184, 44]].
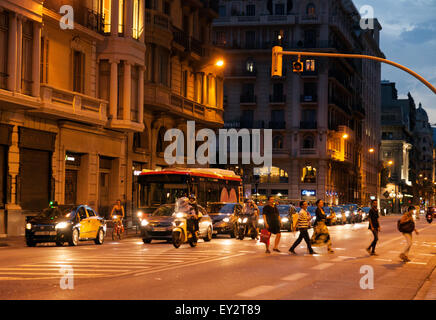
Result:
[[164, 211], [311, 210], [283, 209], [56, 212], [220, 208]]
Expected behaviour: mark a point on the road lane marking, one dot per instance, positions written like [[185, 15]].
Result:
[[58, 268], [256, 291], [427, 254], [343, 258], [384, 260], [322, 266], [58, 265], [294, 277], [45, 273]]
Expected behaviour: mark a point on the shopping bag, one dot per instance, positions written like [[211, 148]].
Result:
[[264, 236]]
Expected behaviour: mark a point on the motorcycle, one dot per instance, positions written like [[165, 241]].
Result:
[[244, 228], [429, 217], [180, 233]]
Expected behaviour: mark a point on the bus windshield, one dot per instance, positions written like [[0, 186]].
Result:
[[154, 194]]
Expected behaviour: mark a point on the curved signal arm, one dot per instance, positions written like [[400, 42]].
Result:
[[357, 56]]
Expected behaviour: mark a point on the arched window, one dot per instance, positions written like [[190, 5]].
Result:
[[310, 9], [308, 142], [160, 145], [140, 140], [278, 142]]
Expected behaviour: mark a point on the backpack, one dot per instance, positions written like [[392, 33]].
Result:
[[406, 227]]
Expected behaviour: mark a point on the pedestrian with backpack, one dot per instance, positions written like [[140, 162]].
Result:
[[406, 225]]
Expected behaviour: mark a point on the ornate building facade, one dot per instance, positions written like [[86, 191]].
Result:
[[324, 120], [83, 108]]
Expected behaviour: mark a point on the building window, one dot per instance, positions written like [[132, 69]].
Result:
[[4, 31], [44, 60], [26, 63], [135, 104], [289, 6], [140, 140], [280, 9], [220, 38], [310, 10], [121, 17], [104, 79], [222, 11], [120, 111], [105, 11], [160, 145], [308, 142], [167, 8], [137, 19], [278, 142], [308, 174], [236, 11], [163, 68], [78, 71], [251, 10], [250, 65], [185, 83]]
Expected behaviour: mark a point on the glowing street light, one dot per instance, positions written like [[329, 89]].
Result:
[[371, 150], [220, 63], [345, 136], [390, 162]]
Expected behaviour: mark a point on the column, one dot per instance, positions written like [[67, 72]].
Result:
[[36, 57], [12, 52], [127, 90], [19, 52], [113, 94], [141, 95], [114, 18]]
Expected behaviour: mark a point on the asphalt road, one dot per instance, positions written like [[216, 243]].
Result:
[[224, 268]]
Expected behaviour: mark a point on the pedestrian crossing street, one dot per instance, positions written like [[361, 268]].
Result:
[[114, 264]]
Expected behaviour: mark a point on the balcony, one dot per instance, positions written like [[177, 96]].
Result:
[[155, 18], [248, 99], [339, 77], [247, 124], [65, 104], [82, 15], [197, 47], [308, 151], [277, 125], [308, 125], [181, 38], [308, 98], [207, 113], [278, 99], [341, 103]]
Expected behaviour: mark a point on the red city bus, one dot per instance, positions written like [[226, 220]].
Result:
[[207, 184]]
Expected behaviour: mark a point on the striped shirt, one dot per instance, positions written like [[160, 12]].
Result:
[[303, 219]]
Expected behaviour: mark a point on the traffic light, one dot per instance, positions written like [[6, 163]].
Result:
[[276, 65], [297, 66]]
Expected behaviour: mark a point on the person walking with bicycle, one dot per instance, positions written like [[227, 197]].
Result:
[[117, 215]]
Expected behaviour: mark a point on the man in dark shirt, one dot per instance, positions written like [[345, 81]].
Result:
[[271, 218], [374, 226]]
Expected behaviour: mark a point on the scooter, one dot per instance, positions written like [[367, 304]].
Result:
[[429, 217], [180, 233], [243, 228]]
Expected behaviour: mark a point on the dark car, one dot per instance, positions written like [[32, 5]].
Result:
[[351, 213], [61, 224], [223, 217], [159, 225], [285, 217]]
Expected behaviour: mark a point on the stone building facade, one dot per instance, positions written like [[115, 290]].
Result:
[[324, 120], [82, 109]]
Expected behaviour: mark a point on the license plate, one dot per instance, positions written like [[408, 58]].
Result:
[[45, 233], [159, 229]]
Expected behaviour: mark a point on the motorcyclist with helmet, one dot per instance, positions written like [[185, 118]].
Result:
[[189, 206]]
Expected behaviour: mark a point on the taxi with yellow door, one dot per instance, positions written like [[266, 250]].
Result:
[[64, 223]]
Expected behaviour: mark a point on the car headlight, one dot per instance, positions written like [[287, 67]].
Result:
[[180, 215], [347, 214], [28, 226], [226, 219], [239, 220], [339, 215], [144, 223], [261, 221], [285, 219], [245, 220], [61, 225], [115, 217]]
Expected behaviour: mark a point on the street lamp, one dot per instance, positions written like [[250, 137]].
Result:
[[345, 136], [371, 150], [219, 63]]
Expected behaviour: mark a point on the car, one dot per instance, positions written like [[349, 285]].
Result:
[[340, 215], [65, 223], [223, 217], [159, 225], [364, 213], [351, 215], [285, 218]]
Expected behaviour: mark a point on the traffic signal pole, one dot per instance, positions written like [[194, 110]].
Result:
[[278, 53]]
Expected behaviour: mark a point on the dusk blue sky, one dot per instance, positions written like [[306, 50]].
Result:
[[409, 38]]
